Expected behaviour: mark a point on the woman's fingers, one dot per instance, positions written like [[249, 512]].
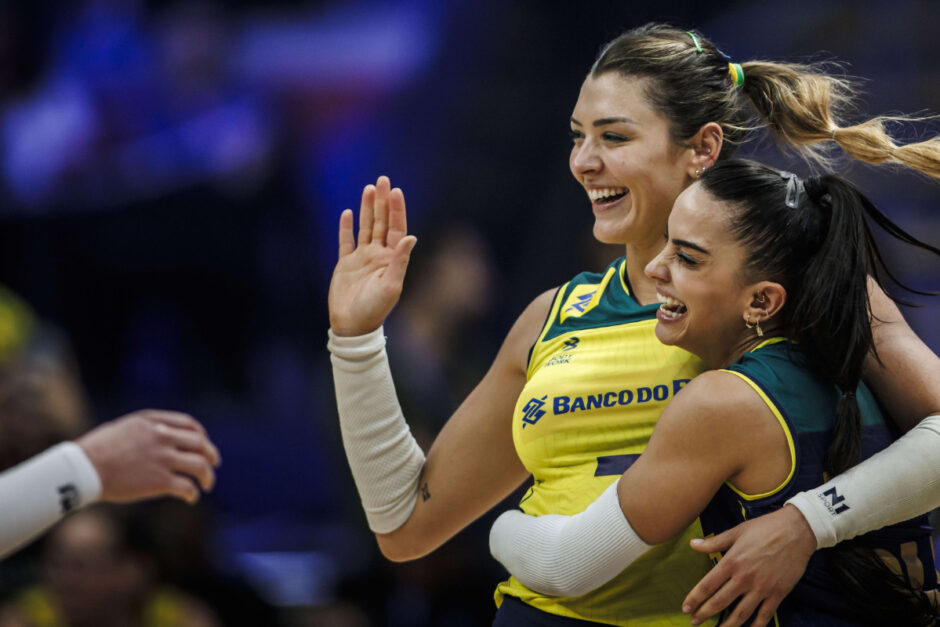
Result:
[[194, 466], [182, 487], [173, 419], [347, 242], [380, 214], [395, 274], [381, 218], [366, 209], [397, 220]]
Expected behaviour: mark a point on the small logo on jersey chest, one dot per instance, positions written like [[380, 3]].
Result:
[[533, 411], [565, 355], [582, 299], [580, 304]]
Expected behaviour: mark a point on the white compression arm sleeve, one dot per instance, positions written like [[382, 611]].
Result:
[[37, 493], [567, 555], [896, 484], [385, 459]]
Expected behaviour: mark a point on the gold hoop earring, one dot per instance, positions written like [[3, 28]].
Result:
[[753, 325]]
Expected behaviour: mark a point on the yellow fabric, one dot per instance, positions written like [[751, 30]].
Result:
[[17, 323], [617, 378], [164, 608]]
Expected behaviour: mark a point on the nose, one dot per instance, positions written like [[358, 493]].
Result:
[[657, 268], [585, 159]]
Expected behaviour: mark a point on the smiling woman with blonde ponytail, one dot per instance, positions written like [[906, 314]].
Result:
[[575, 390]]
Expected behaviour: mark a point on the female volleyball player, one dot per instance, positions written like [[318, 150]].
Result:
[[658, 108], [765, 278]]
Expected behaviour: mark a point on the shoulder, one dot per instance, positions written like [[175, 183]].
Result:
[[533, 317], [525, 331], [714, 392], [714, 408]]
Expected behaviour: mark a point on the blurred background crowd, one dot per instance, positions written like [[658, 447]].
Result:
[[171, 176]]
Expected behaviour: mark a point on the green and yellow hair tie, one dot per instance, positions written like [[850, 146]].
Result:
[[737, 74], [698, 46]]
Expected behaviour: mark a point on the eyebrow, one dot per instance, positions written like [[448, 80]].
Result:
[[606, 121], [688, 244]]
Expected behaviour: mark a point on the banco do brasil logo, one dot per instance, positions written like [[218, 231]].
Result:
[[533, 411]]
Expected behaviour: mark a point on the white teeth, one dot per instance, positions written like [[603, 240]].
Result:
[[669, 301], [670, 314], [605, 192], [671, 308]]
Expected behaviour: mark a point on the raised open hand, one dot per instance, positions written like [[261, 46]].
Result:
[[368, 277]]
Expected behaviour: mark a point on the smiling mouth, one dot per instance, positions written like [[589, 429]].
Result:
[[671, 308], [606, 195]]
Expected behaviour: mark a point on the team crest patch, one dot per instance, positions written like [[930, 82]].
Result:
[[582, 299]]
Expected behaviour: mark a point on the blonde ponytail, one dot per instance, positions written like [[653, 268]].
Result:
[[804, 107]]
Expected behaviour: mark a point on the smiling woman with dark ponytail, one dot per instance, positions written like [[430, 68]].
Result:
[[765, 278]]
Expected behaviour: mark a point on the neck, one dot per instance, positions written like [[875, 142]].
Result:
[[746, 342], [638, 256]]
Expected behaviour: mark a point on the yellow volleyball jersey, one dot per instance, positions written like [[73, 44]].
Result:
[[598, 379]]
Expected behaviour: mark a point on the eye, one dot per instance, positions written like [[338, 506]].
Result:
[[615, 138], [575, 135], [685, 259]]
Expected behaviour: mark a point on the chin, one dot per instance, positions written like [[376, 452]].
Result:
[[602, 235], [664, 336], [608, 234]]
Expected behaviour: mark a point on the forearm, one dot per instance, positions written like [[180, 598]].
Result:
[[567, 555], [384, 457], [905, 372], [38, 492], [896, 484]]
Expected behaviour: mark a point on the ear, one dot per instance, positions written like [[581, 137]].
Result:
[[767, 299], [705, 144]]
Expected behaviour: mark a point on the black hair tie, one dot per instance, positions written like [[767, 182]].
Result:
[[816, 189]]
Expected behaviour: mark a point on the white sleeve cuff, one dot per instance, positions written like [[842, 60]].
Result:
[[38, 492], [894, 485]]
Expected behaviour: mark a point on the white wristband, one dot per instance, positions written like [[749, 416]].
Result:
[[567, 555], [38, 492], [385, 459], [894, 485]]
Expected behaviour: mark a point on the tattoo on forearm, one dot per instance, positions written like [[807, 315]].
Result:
[[425, 493]]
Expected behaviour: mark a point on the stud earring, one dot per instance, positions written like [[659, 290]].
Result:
[[698, 172]]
